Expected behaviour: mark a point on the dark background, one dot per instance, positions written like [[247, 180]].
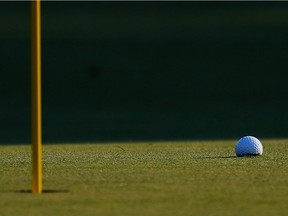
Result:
[[118, 71]]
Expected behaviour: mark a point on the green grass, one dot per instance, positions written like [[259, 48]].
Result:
[[156, 178]]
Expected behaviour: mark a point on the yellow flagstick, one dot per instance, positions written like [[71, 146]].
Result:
[[36, 97]]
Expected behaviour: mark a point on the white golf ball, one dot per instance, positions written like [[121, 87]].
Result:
[[248, 145]]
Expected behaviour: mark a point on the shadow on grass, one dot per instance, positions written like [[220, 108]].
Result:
[[44, 191], [216, 157]]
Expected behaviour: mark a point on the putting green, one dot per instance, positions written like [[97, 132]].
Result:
[[152, 178]]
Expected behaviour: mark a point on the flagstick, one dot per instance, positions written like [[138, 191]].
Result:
[[36, 97]]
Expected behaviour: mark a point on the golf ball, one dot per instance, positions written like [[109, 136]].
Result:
[[248, 145]]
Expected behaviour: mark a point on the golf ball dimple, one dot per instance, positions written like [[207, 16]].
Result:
[[248, 145]]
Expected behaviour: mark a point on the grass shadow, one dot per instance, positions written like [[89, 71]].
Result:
[[216, 157], [231, 156], [44, 191]]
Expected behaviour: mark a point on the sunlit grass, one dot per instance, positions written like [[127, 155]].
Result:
[[153, 178]]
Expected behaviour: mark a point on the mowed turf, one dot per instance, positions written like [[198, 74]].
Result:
[[152, 178]]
